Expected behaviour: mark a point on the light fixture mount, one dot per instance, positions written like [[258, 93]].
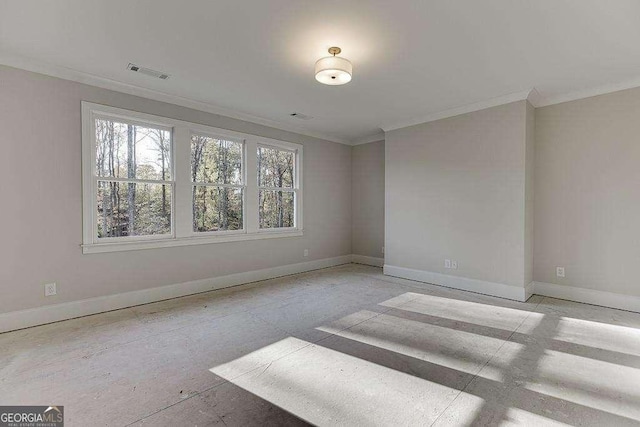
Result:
[[333, 70]]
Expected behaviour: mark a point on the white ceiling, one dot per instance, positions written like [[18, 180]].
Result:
[[412, 60]]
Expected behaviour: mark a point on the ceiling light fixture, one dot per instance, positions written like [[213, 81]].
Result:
[[333, 70]]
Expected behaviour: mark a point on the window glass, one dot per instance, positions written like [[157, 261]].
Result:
[[132, 151], [133, 198], [275, 168], [133, 209], [215, 161], [276, 209], [217, 208], [217, 199]]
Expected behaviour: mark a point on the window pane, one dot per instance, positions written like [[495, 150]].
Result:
[[217, 208], [133, 209], [275, 168], [215, 161], [132, 151], [276, 209]]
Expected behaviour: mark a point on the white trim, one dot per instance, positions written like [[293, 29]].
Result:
[[57, 312], [65, 73], [207, 239], [588, 296], [589, 92], [463, 109], [367, 260], [529, 290], [367, 139], [297, 189], [536, 99], [457, 282]]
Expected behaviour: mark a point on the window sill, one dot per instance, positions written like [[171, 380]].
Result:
[[95, 248]]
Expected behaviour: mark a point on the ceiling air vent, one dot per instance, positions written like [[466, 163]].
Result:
[[300, 116], [147, 71]]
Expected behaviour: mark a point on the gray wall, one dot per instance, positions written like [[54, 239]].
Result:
[[456, 188], [587, 193], [367, 199], [41, 214], [459, 188]]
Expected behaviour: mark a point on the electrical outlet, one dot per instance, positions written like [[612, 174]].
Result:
[[454, 264], [383, 249], [560, 271], [447, 263], [306, 252], [49, 289]]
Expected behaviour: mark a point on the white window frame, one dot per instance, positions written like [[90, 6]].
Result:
[[296, 184], [182, 233], [227, 137]]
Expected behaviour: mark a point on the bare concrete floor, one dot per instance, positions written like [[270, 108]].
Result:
[[341, 346]]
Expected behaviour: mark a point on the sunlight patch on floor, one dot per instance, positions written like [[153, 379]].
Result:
[[520, 417], [459, 350], [550, 366], [622, 339], [327, 387], [594, 383], [465, 311]]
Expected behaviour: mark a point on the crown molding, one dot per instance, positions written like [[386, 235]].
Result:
[[588, 93], [379, 136], [534, 97], [463, 109], [65, 73]]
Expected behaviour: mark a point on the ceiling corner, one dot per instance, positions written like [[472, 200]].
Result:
[[378, 136], [534, 97]]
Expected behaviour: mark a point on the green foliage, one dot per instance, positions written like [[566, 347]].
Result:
[[217, 208], [133, 164], [131, 152], [276, 170], [276, 209], [148, 215], [216, 161]]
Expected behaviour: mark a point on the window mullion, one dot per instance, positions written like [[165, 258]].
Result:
[[213, 184], [98, 142], [251, 193], [183, 188], [133, 180], [285, 189]]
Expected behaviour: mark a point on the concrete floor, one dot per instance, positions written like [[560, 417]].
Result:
[[341, 346]]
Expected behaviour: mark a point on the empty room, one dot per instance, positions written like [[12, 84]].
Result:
[[336, 213]]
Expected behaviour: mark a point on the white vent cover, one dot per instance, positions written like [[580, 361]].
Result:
[[148, 71]]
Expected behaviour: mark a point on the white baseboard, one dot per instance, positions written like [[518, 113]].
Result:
[[367, 260], [529, 290], [456, 282], [588, 296], [56, 312]]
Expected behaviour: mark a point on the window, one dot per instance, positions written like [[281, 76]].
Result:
[[150, 182], [216, 175], [276, 187], [133, 172]]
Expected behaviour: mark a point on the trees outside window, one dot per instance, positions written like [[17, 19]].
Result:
[[133, 165], [216, 172], [150, 181], [276, 181]]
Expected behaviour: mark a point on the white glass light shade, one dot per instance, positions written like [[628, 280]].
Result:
[[333, 70]]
